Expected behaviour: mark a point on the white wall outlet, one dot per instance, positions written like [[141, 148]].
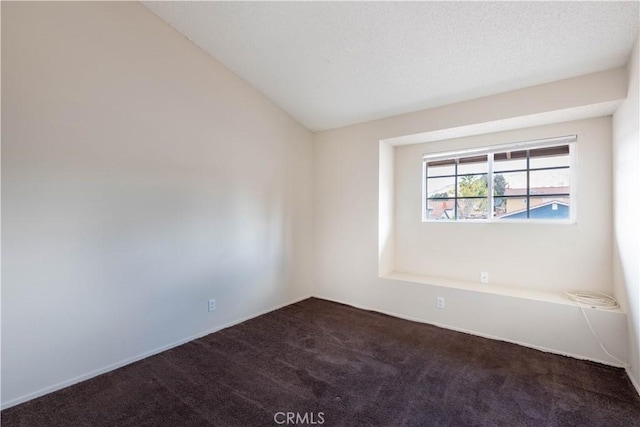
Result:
[[440, 303], [212, 304], [484, 277]]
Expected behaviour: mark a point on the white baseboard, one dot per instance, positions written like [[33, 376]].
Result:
[[120, 364], [174, 344], [633, 380], [471, 332]]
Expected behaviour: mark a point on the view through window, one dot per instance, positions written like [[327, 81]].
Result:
[[527, 181]]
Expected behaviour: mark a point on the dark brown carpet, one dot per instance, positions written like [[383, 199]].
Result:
[[346, 367]]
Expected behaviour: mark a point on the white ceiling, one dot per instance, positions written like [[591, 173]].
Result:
[[331, 64]]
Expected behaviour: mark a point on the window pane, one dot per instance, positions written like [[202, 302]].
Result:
[[549, 181], [499, 184], [535, 201], [540, 207], [475, 165], [545, 208], [441, 168], [472, 208], [549, 156], [440, 187], [499, 206], [510, 155], [550, 210], [514, 184], [548, 162], [440, 209], [510, 207], [472, 186], [505, 165]]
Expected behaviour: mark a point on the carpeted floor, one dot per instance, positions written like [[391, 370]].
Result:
[[334, 365]]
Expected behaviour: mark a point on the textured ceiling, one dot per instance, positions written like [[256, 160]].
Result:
[[331, 64]]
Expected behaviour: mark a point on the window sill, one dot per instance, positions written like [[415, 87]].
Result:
[[497, 221], [557, 297]]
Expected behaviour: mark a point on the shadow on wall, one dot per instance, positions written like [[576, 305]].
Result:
[[621, 277]]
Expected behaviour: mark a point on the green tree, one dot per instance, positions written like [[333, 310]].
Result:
[[472, 186], [475, 186], [499, 185]]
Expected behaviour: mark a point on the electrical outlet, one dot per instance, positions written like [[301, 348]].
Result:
[[440, 303], [484, 277], [212, 304]]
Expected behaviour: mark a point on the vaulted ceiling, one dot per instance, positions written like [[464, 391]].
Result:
[[330, 64]]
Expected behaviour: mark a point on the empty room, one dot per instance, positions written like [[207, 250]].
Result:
[[320, 213]]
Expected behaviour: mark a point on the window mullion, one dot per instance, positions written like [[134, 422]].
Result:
[[425, 190], [490, 186], [455, 193], [528, 185]]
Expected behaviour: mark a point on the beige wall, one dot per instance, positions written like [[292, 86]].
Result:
[[140, 178], [354, 242], [534, 256], [626, 170]]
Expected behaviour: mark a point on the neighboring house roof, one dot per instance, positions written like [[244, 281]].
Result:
[[543, 211], [442, 209], [536, 191]]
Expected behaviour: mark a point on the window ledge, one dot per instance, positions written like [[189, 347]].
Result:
[[557, 297], [499, 221]]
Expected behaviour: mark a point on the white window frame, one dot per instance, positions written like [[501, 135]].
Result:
[[490, 151]]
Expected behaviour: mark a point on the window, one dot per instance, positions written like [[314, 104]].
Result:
[[520, 181]]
